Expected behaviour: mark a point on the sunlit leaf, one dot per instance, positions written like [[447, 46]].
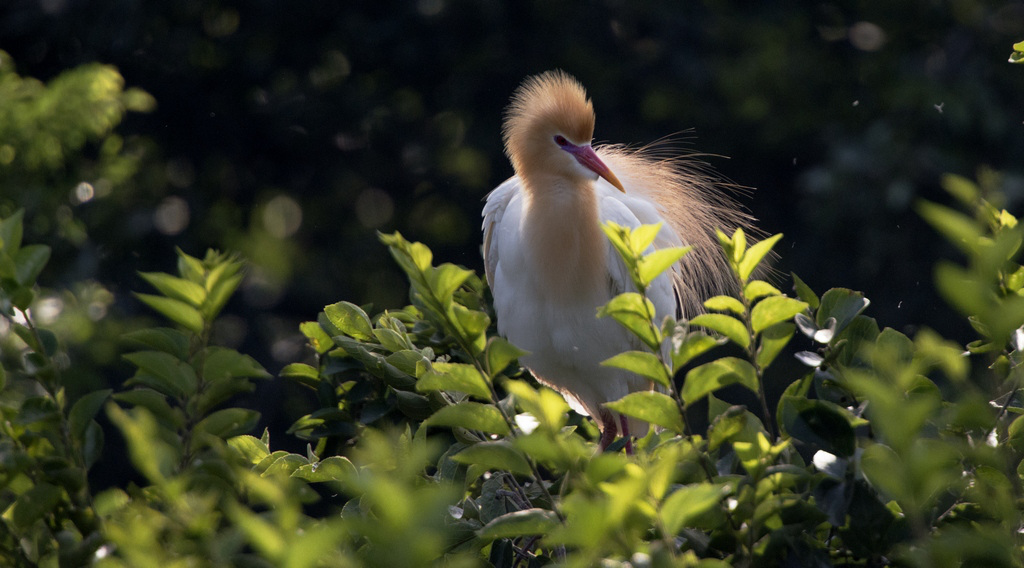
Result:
[[500, 354], [316, 336], [519, 523], [634, 312], [725, 304], [643, 363], [773, 340], [650, 406], [755, 254], [471, 416], [691, 346], [725, 324], [33, 505], [498, 455], [175, 310], [178, 288], [251, 448], [350, 319], [686, 504], [758, 289], [773, 310], [712, 376], [334, 468], [455, 377], [651, 265]]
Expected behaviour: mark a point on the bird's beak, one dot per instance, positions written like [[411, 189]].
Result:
[[588, 157]]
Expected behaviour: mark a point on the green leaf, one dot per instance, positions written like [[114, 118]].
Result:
[[804, 292], [334, 468], [164, 339], [458, 377], [351, 320], [650, 406], [500, 354], [642, 237], [178, 288], [471, 416], [773, 310], [884, 469], [175, 310], [228, 422], [445, 280], [651, 265], [725, 324], [151, 454], [964, 190], [472, 324], [725, 304], [818, 423], [498, 455], [688, 503], [253, 449], [712, 376], [758, 289], [302, 373], [164, 373], [773, 340], [221, 363], [959, 229], [755, 254], [842, 304], [317, 337], [547, 406], [693, 345], [519, 523], [83, 411], [11, 231], [29, 262], [33, 505], [643, 363], [634, 312]]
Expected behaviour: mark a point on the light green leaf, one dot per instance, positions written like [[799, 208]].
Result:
[[643, 363], [498, 455], [727, 325], [472, 324], [171, 341], [758, 289], [351, 320], [500, 354], [519, 523], [178, 288], [650, 406], [725, 304], [653, 264], [228, 422], [175, 310], [445, 280], [755, 254], [334, 468], [964, 190], [471, 416], [712, 376], [739, 246], [633, 311], [455, 377], [773, 310], [253, 449], [303, 373], [643, 236], [317, 337], [685, 505], [959, 229], [692, 346], [544, 404]]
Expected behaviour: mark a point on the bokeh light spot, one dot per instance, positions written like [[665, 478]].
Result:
[[84, 192], [171, 216], [282, 216], [374, 207], [866, 36]]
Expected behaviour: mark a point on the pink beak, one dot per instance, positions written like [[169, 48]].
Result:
[[586, 156]]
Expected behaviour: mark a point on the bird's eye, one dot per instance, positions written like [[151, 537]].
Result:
[[561, 141]]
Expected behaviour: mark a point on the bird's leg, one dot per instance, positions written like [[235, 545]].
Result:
[[625, 434], [608, 429]]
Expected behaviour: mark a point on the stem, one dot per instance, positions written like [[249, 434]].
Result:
[[752, 356]]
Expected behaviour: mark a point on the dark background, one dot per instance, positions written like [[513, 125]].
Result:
[[293, 131]]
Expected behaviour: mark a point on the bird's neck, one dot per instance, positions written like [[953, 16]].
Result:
[[567, 247]]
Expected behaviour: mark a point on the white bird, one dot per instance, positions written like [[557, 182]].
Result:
[[550, 266]]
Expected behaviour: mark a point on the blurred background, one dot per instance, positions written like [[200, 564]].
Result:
[[293, 131]]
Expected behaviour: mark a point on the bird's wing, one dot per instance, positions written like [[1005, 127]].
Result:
[[495, 205]]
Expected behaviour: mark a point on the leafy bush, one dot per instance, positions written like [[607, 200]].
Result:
[[431, 444]]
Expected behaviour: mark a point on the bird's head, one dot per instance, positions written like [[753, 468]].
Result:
[[548, 129]]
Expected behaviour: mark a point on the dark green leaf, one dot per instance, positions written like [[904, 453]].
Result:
[[519, 523], [163, 339], [686, 504], [164, 373], [773, 341], [818, 423], [228, 422], [84, 410], [29, 262], [33, 505], [804, 292], [11, 231], [651, 406], [220, 363], [842, 304], [500, 354], [712, 376]]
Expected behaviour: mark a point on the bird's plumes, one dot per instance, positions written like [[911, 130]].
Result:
[[549, 265]]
